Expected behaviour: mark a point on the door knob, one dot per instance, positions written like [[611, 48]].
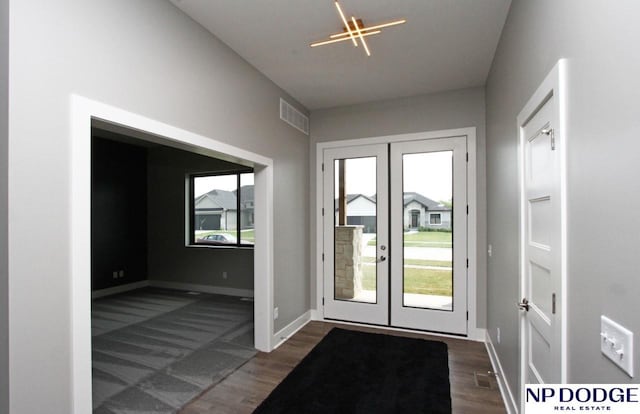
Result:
[[382, 259], [524, 304]]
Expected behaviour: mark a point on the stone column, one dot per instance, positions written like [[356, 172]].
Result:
[[348, 261]]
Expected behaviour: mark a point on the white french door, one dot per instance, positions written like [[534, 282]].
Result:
[[356, 282], [395, 234]]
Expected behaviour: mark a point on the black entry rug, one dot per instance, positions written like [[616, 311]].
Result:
[[358, 372]]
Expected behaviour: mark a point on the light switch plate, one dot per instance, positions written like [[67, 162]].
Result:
[[616, 343]]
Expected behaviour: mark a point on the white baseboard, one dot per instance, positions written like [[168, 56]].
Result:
[[315, 315], [288, 331], [218, 290], [477, 334], [503, 384], [118, 289]]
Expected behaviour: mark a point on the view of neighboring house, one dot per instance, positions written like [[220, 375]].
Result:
[[217, 209], [419, 212]]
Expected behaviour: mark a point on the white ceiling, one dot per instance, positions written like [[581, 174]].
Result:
[[445, 45]]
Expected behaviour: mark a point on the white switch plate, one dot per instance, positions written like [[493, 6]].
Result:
[[616, 343]]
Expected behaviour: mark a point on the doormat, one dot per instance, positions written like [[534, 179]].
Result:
[[359, 372]]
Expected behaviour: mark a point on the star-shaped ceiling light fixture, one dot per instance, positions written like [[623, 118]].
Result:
[[355, 30]]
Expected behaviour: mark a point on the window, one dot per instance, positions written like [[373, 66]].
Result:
[[221, 209], [435, 218]]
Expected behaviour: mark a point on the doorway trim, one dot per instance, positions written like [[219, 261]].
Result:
[[82, 112], [554, 84], [473, 332]]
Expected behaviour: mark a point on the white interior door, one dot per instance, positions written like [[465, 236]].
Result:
[[356, 281], [541, 245], [429, 261]]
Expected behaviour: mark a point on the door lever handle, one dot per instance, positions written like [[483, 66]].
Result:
[[524, 304]]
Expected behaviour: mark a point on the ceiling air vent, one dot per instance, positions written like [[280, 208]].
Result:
[[293, 117]]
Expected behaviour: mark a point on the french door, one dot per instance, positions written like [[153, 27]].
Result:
[[395, 234]]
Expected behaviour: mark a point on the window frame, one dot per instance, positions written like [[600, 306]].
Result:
[[432, 216], [191, 241]]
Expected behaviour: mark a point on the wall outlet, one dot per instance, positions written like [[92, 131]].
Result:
[[275, 313], [616, 343], [224, 275], [498, 335], [121, 273], [115, 274]]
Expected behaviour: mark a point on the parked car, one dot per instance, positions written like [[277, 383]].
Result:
[[217, 239]]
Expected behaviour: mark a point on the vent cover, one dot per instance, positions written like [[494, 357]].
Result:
[[293, 117]]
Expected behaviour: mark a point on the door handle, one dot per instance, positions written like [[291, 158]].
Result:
[[524, 304], [382, 259]]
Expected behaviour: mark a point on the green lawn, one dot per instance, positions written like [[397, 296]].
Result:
[[424, 239], [421, 281]]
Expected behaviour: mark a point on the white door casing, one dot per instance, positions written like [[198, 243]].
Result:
[[427, 314], [543, 234], [473, 331]]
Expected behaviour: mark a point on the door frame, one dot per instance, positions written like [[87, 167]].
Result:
[[473, 332], [554, 84], [82, 112]]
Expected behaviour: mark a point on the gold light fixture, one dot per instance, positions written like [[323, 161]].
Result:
[[354, 30]]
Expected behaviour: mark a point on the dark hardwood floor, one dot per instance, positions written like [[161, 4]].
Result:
[[242, 391]]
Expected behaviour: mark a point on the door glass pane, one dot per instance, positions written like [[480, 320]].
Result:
[[355, 273], [427, 181]]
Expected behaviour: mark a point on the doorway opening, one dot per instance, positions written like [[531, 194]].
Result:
[[86, 114], [411, 269], [170, 316]]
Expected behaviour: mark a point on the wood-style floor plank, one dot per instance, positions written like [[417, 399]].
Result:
[[242, 391]]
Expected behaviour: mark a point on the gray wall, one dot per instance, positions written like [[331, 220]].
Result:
[[168, 258], [4, 129], [146, 57], [600, 39], [447, 110]]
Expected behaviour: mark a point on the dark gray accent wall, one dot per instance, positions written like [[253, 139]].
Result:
[[4, 215], [170, 260], [118, 213], [432, 112], [600, 41]]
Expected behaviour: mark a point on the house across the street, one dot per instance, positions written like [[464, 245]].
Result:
[[419, 212], [217, 209]]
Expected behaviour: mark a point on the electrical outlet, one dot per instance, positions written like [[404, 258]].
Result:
[[121, 273], [224, 275], [275, 313], [115, 274], [616, 343], [498, 335]]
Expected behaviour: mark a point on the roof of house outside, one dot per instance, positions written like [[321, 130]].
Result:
[[408, 198], [351, 197], [246, 193], [222, 198], [427, 202]]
